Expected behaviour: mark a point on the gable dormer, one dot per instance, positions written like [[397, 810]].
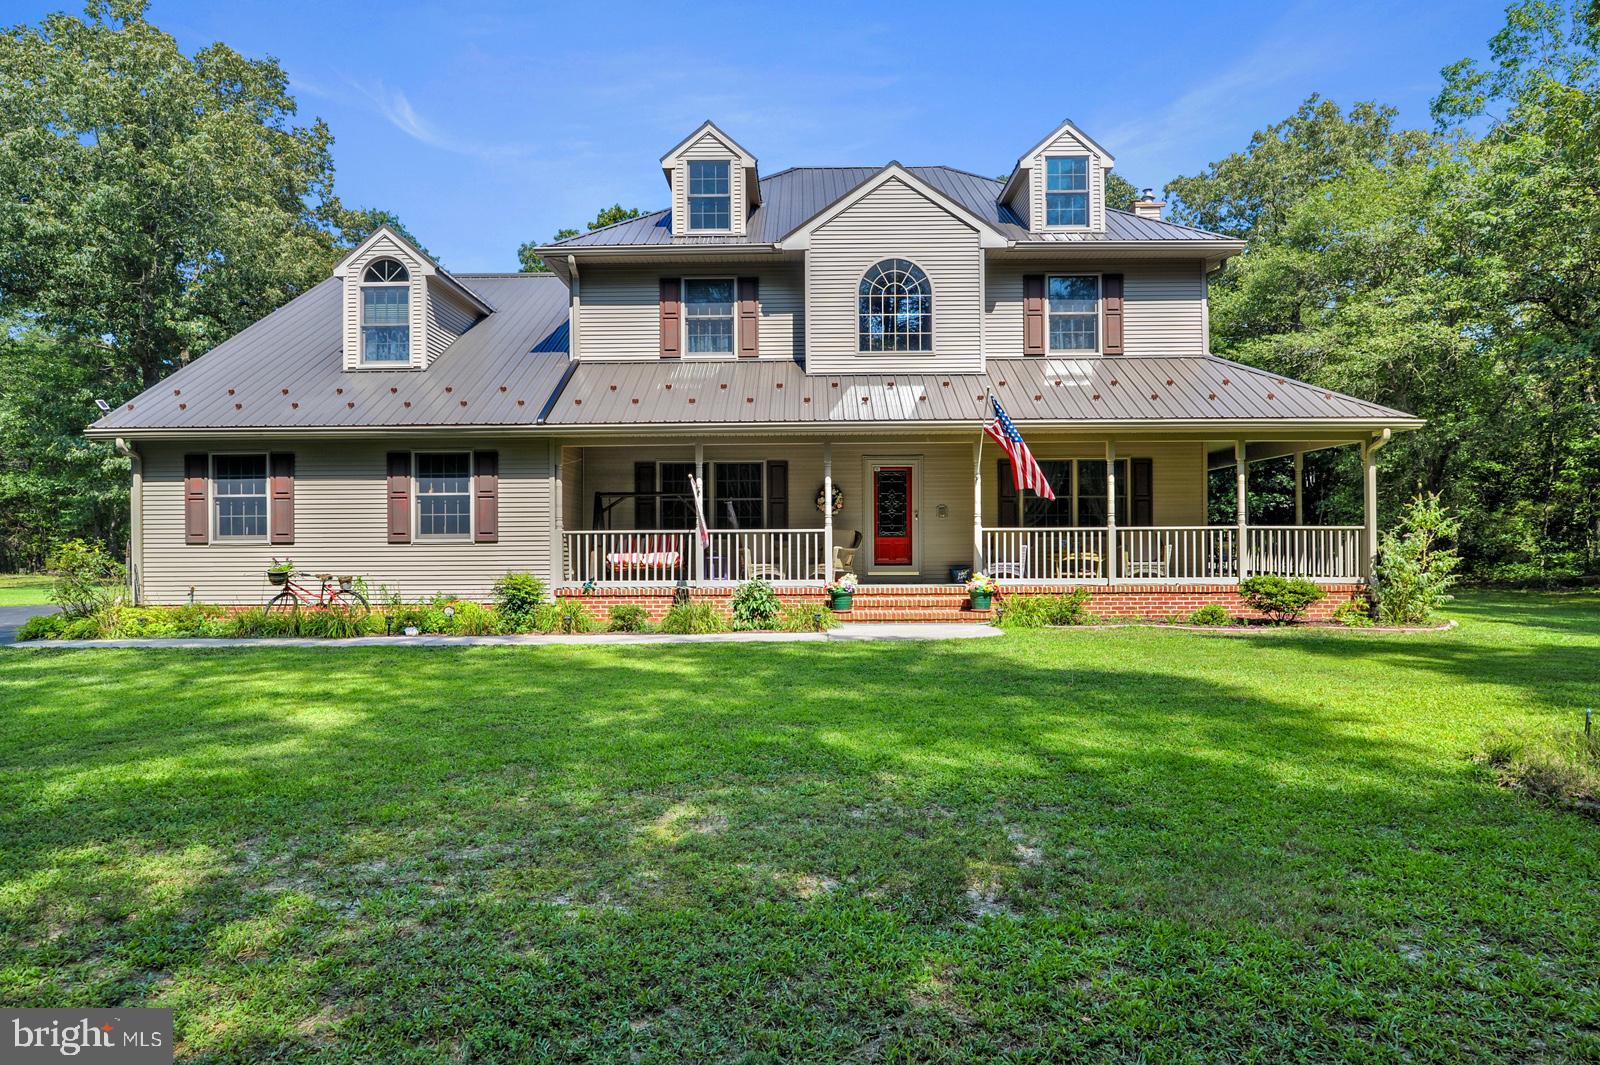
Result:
[[1060, 186], [714, 183], [401, 309]]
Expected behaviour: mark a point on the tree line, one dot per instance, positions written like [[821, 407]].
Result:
[[155, 203]]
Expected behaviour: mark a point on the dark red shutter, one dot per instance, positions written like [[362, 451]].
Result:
[[644, 506], [671, 329], [1111, 289], [1010, 518], [196, 527], [1033, 323], [749, 318], [399, 497], [281, 511], [486, 497], [777, 495], [1142, 491]]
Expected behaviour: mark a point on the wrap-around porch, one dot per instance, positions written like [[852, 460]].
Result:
[[922, 511]]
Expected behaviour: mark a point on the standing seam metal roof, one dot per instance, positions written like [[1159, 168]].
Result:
[[792, 197]]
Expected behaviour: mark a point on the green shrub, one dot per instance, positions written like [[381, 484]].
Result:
[[1353, 613], [474, 619], [1039, 611], [577, 617], [516, 596], [334, 623], [1552, 764], [628, 617], [686, 619], [1413, 574], [801, 617], [1211, 614], [42, 627], [546, 618], [755, 605], [87, 579], [1281, 599]]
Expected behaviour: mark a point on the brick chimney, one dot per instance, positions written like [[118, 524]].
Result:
[[1147, 206]]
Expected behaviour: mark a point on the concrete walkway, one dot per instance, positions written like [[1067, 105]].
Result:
[[862, 631], [13, 618]]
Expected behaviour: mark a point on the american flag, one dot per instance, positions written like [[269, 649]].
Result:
[[1024, 467], [697, 490]]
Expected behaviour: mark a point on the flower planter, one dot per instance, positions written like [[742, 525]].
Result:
[[981, 600], [840, 601], [278, 578]]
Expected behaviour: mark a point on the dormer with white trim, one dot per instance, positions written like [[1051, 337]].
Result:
[[715, 185], [1060, 186], [401, 309]]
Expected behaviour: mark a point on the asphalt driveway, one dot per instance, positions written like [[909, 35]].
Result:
[[12, 618]]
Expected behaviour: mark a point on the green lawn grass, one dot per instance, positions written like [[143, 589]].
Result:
[[1129, 845], [24, 589]]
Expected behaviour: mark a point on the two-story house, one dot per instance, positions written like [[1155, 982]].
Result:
[[808, 357]]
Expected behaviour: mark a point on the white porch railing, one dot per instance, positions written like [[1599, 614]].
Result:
[[1178, 553], [1023, 555], [1324, 552], [778, 556], [644, 557]]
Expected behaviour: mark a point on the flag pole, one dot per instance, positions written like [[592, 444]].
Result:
[[979, 563]]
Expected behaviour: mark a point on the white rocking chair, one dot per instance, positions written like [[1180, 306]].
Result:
[[1150, 567], [1013, 569]]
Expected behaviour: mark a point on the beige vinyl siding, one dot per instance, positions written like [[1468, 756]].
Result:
[[708, 147], [1164, 304], [894, 220], [341, 523], [416, 306], [448, 317], [621, 314], [1034, 202]]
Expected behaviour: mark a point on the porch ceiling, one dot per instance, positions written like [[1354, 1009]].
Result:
[[1184, 388]]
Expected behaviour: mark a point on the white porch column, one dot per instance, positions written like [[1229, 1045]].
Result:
[[694, 539], [1369, 499], [1299, 487], [1242, 492], [979, 563], [827, 511], [1111, 511]]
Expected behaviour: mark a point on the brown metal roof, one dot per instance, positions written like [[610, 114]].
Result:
[[286, 371], [1176, 388]]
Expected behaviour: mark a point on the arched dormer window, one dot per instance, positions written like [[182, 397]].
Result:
[[896, 308], [385, 312]]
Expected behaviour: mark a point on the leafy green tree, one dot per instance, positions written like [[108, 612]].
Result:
[[531, 262], [1120, 192]]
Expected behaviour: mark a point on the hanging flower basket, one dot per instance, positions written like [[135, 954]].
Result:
[[838, 499]]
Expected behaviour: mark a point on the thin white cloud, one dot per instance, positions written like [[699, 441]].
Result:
[[396, 109]]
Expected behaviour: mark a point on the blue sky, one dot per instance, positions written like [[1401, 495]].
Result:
[[483, 125]]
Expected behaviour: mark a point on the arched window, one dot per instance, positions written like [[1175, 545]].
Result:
[[896, 308], [386, 312]]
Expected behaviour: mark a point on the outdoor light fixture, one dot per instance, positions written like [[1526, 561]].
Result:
[[105, 408], [449, 611]]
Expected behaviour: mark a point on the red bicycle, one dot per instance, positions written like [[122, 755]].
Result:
[[338, 591]]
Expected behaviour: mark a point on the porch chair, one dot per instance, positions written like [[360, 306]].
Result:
[[1150, 567], [1013, 569], [846, 542], [758, 571]]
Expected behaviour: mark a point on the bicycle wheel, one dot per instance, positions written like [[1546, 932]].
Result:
[[351, 600], [284, 600]]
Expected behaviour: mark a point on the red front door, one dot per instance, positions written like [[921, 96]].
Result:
[[891, 516]]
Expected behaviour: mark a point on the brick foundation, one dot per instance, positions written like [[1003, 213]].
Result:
[[945, 602]]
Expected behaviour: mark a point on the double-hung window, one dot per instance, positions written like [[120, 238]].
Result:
[[710, 200], [708, 316], [677, 503], [1041, 513], [444, 494], [239, 496], [1092, 493], [1074, 313], [1066, 190], [739, 501], [386, 313], [1080, 487]]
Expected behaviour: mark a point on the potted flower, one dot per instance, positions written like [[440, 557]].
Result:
[[980, 590], [841, 591], [278, 572], [838, 499]]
